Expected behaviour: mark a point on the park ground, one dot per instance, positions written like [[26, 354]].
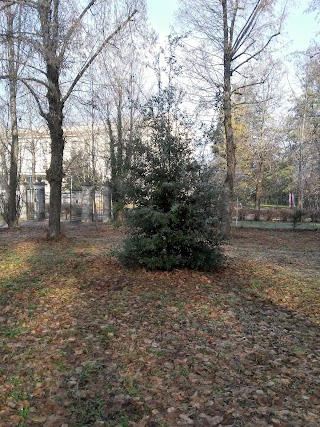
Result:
[[86, 342]]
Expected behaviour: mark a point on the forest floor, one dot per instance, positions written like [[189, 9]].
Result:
[[85, 342]]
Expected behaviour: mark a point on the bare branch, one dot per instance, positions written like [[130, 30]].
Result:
[[235, 91], [32, 67], [35, 96], [30, 3], [93, 57], [234, 58], [31, 79], [255, 54], [247, 27], [73, 28], [233, 20]]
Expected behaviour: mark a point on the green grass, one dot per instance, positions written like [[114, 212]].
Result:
[[276, 225], [14, 332]]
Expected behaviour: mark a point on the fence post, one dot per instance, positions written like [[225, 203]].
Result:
[[106, 201], [39, 199], [87, 203], [23, 195]]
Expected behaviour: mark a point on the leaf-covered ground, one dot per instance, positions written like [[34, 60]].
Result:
[[85, 342]]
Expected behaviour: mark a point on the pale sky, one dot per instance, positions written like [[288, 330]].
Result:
[[301, 27], [161, 16]]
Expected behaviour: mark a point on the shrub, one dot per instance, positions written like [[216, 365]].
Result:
[[297, 217], [181, 237], [284, 215], [174, 222], [315, 216], [257, 215]]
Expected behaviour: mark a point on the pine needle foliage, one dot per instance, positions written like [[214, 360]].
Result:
[[173, 224]]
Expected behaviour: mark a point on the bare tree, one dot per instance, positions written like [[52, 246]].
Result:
[[257, 130], [225, 36], [118, 107], [56, 29], [4, 155], [306, 131]]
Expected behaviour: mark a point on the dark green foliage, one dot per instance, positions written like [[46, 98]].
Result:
[[173, 224], [297, 217]]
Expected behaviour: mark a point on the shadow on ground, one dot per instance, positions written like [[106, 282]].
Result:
[[87, 343]]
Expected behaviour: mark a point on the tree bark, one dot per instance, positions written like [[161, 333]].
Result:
[[228, 129], [301, 156], [259, 187], [14, 152], [231, 165], [55, 172]]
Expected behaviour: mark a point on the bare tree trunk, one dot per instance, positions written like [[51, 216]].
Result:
[[55, 172], [54, 177], [14, 152], [116, 144], [228, 129], [93, 164], [300, 166], [33, 166], [259, 187], [32, 149], [231, 166]]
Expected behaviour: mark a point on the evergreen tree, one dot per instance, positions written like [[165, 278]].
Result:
[[173, 223]]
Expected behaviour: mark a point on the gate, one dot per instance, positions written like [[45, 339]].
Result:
[[71, 206], [75, 206], [99, 205]]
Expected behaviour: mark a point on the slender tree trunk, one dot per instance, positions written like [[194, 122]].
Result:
[[116, 163], [259, 187], [228, 129], [113, 163], [32, 150], [129, 147], [300, 167], [231, 166], [120, 132], [93, 165], [55, 172], [111, 147], [33, 167], [13, 180], [14, 152]]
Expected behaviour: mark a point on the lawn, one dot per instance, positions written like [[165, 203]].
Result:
[[277, 225], [85, 342]]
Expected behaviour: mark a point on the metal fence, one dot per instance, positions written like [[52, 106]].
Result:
[[71, 205], [98, 205]]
